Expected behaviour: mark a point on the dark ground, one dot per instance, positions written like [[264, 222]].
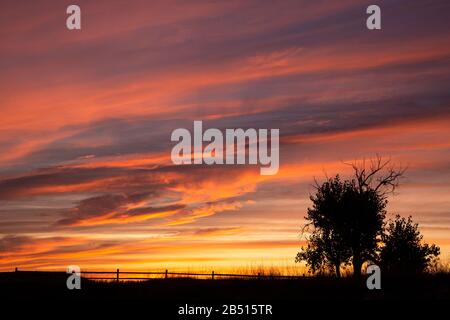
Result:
[[288, 297]]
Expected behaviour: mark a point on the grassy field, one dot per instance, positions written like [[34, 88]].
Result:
[[52, 285], [305, 297]]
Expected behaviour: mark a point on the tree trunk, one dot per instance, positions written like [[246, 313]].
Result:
[[357, 264], [338, 270]]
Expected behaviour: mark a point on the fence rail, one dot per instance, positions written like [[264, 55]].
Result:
[[134, 275]]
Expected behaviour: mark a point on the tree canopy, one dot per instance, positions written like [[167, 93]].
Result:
[[403, 249], [346, 224]]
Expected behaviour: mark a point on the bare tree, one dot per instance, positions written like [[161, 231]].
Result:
[[380, 175]]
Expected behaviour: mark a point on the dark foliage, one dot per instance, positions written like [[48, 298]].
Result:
[[403, 251], [325, 250], [347, 217]]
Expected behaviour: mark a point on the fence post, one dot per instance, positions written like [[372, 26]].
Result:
[[117, 275], [166, 274], [212, 275], [259, 275], [17, 269]]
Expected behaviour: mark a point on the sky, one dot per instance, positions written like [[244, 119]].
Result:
[[86, 117]]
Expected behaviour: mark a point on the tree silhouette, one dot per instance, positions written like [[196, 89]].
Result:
[[325, 250], [325, 247], [403, 251], [347, 216]]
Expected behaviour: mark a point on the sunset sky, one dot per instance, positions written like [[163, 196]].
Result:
[[86, 116]]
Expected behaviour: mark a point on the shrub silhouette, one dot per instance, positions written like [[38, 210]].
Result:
[[403, 251]]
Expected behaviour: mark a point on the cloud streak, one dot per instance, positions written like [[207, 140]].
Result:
[[85, 149]]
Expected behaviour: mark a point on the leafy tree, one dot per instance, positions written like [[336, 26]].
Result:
[[372, 183], [403, 250], [347, 216], [360, 224], [324, 250], [325, 247]]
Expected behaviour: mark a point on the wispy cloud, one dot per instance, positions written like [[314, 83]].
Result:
[[86, 122]]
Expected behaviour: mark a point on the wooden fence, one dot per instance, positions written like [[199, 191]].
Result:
[[146, 275]]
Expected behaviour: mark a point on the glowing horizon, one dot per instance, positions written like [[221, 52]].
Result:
[[85, 170]]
